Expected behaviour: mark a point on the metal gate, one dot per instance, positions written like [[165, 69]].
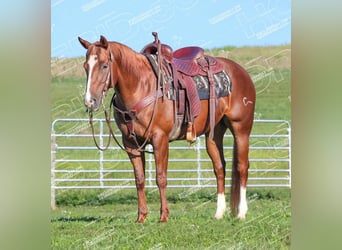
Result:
[[77, 164]]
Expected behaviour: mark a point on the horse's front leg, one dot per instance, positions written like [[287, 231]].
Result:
[[161, 154], [138, 161]]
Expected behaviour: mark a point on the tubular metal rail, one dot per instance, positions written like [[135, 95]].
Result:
[[76, 163]]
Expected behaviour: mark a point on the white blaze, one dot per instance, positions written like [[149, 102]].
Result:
[[91, 63], [243, 204]]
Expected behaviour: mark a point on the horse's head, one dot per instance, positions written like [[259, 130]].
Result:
[[98, 67]]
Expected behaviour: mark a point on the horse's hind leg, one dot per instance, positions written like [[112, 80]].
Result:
[[215, 151], [238, 201]]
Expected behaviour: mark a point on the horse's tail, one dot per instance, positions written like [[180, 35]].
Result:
[[235, 188]]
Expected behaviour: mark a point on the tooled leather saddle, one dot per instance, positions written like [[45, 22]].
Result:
[[188, 76]]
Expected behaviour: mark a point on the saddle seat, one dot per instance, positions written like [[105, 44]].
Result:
[[186, 60], [190, 53]]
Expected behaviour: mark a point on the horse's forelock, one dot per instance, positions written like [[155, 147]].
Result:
[[99, 44], [94, 48]]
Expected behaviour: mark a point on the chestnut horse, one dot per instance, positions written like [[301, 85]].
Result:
[[114, 65]]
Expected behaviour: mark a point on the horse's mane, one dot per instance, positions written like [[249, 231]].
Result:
[[124, 55]]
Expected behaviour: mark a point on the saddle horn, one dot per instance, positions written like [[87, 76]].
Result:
[[156, 39]]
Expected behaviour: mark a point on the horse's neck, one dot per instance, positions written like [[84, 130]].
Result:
[[135, 78]]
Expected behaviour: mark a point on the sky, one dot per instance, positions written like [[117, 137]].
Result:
[[179, 23]]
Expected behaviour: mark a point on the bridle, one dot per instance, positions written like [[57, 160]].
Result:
[[109, 79]]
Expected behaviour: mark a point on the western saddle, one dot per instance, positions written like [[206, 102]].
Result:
[[177, 69]]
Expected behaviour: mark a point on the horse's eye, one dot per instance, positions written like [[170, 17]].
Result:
[[104, 66]]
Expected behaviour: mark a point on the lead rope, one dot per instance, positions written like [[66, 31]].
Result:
[[93, 133]]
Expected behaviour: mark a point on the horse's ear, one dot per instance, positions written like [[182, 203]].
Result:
[[104, 42], [84, 43]]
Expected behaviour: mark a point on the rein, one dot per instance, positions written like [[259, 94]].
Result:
[[111, 133], [93, 133]]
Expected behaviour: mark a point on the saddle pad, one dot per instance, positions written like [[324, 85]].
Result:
[[222, 85]]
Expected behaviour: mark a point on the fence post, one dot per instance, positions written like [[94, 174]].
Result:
[[53, 158], [150, 166], [289, 152], [199, 161], [101, 154]]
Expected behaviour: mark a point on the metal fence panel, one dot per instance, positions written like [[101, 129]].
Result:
[[76, 163]]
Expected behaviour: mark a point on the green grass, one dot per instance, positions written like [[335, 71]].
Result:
[[108, 223], [104, 219]]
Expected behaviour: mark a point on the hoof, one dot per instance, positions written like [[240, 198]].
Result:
[[141, 219], [219, 215], [242, 217], [163, 220], [164, 216]]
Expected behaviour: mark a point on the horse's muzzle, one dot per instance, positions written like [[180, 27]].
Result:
[[92, 104]]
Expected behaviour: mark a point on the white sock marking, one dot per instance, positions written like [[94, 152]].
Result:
[[242, 204], [221, 206]]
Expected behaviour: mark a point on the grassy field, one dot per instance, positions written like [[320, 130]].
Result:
[[86, 221], [104, 219], [269, 67]]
